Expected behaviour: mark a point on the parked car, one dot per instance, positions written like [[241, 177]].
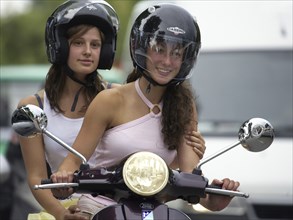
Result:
[[244, 70]]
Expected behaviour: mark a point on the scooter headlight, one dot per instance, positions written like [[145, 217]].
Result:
[[145, 173]]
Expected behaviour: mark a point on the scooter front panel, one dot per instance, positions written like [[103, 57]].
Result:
[[113, 212], [140, 210]]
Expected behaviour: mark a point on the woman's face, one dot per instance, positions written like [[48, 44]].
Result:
[[84, 52], [164, 61]]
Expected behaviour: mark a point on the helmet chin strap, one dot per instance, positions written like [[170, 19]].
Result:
[[70, 73]]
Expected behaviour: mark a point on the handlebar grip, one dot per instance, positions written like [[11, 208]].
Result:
[[46, 181], [215, 186]]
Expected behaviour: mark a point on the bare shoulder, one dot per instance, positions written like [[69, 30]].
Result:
[[111, 105], [31, 99], [113, 97], [111, 101]]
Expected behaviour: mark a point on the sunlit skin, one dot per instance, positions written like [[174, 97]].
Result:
[[164, 61], [85, 52]]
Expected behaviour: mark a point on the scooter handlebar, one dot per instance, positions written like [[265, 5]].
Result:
[[55, 185], [218, 191], [46, 181]]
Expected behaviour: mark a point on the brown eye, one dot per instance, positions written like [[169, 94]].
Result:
[[77, 43], [96, 45], [177, 53]]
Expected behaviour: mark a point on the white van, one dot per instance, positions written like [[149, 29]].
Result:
[[244, 70]]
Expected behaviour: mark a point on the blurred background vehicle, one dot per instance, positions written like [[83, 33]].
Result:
[[244, 70], [16, 198], [17, 82]]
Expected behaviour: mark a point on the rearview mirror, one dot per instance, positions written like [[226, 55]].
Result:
[[31, 120], [256, 134]]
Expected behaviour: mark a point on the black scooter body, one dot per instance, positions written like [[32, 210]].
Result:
[[140, 210]]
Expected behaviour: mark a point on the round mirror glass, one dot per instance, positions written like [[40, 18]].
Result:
[[256, 134], [29, 120]]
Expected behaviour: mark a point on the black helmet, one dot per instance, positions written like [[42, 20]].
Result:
[[164, 24], [73, 12]]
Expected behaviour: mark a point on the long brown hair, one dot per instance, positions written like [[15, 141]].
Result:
[[56, 77], [177, 112]]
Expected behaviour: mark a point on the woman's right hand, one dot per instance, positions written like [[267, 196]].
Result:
[[62, 177]]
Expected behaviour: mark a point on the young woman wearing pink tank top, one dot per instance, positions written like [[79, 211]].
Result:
[[157, 102]]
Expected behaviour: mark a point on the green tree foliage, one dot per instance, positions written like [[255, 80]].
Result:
[[22, 36]]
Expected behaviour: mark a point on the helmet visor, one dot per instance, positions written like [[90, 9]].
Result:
[[151, 51]]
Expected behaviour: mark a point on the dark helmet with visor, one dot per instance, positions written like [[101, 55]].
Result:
[[161, 25], [73, 12]]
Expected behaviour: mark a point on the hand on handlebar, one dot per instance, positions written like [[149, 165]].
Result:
[[219, 202], [62, 177]]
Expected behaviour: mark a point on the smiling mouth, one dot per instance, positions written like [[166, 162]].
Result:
[[163, 72]]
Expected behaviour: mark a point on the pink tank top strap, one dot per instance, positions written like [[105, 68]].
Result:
[[153, 107]]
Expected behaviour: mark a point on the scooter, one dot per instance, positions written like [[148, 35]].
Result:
[[142, 182]]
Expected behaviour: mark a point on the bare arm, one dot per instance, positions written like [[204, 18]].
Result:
[[195, 140], [187, 156], [33, 154], [97, 119]]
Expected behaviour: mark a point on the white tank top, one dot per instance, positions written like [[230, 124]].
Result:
[[64, 128]]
